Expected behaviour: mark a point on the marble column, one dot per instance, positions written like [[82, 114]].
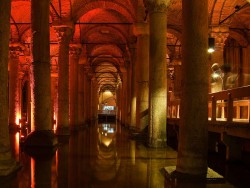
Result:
[[14, 111], [7, 163], [133, 87], [193, 132], [157, 72], [74, 52], [64, 36], [141, 30], [40, 76]]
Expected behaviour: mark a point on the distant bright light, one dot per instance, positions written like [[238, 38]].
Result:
[[107, 91], [215, 75], [210, 50]]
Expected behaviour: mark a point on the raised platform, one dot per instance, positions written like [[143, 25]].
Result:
[[173, 176]]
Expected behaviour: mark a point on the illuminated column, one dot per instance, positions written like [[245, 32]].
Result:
[[128, 66], [64, 35], [193, 133], [54, 91], [133, 86], [157, 72], [7, 163], [14, 111], [40, 77], [220, 34], [81, 95], [142, 32], [74, 52], [95, 99], [81, 87], [92, 97]]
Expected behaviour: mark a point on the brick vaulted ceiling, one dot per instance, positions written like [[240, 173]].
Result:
[[104, 28]]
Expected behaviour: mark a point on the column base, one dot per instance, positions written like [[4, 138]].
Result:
[[9, 168], [158, 143], [175, 177], [41, 138]]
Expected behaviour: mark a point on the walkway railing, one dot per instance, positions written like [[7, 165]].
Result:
[[226, 106]]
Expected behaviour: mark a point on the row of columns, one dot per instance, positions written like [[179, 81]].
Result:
[[193, 129], [44, 99], [192, 150], [7, 164]]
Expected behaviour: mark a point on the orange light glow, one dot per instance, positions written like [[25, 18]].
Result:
[[18, 117], [32, 166], [54, 122], [17, 140]]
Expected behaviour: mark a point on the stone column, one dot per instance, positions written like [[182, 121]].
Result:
[[14, 111], [40, 76], [54, 91], [94, 98], [7, 163], [91, 97], [124, 98], [193, 133], [133, 86], [64, 35], [142, 32], [86, 94], [128, 65], [118, 102], [74, 52], [81, 95], [158, 74]]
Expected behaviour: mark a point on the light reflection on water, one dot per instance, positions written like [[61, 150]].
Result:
[[99, 156]]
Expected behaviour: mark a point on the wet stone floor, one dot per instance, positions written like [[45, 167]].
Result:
[[101, 156]]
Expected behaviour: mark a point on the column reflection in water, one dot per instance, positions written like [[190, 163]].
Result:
[[73, 162], [62, 162], [14, 142], [106, 163], [138, 159], [41, 173], [83, 158]]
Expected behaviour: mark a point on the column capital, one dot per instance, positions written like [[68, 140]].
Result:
[[64, 33], [157, 5], [75, 50], [21, 74], [15, 50], [140, 29], [220, 33]]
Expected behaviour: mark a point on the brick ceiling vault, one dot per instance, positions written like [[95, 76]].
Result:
[[104, 29]]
